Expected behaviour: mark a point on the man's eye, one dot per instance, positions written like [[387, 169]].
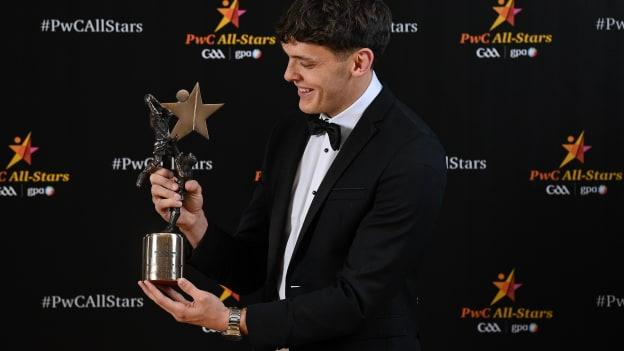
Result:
[[307, 65]]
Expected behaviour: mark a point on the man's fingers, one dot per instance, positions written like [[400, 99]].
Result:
[[167, 173], [192, 186], [189, 288], [160, 192], [147, 291], [162, 205], [166, 182], [174, 294], [173, 307], [165, 198]]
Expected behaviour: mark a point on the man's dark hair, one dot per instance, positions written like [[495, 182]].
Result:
[[341, 25]]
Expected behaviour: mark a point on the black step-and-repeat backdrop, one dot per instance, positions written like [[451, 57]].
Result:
[[527, 97]]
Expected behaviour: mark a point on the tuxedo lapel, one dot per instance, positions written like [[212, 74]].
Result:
[[297, 140], [361, 134]]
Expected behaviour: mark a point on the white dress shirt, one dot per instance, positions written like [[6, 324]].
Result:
[[317, 158]]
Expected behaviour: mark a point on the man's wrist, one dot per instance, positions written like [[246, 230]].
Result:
[[224, 320], [243, 323], [195, 231], [233, 330]]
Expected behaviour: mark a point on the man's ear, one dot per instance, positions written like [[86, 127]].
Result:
[[362, 62]]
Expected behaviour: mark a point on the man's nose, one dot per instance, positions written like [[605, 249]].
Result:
[[291, 73]]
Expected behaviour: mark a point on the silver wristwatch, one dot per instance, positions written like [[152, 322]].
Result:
[[233, 332]]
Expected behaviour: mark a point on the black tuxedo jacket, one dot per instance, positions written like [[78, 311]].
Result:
[[351, 280]]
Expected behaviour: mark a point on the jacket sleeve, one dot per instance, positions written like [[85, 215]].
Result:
[[385, 249], [238, 260]]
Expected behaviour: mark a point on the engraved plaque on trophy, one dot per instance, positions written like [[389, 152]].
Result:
[[163, 252]]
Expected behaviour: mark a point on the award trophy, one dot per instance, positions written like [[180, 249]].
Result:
[[163, 252]]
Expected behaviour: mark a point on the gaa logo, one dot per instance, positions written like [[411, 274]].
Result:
[[213, 54], [7, 191], [557, 190], [488, 53], [241, 54], [488, 328]]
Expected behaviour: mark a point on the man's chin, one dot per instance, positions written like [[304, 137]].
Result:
[[308, 108]]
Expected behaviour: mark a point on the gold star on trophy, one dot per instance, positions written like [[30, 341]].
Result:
[[191, 113]]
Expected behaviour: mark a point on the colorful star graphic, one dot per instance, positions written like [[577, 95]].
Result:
[[506, 287], [230, 14], [505, 13], [575, 149], [22, 151]]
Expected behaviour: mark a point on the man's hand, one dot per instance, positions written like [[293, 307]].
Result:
[[192, 221], [205, 310]]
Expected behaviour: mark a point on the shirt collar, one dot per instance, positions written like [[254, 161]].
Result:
[[348, 118]]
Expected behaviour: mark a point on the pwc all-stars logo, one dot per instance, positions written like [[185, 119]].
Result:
[[506, 287], [231, 14], [225, 42], [18, 179], [23, 150], [502, 315], [573, 177], [503, 41]]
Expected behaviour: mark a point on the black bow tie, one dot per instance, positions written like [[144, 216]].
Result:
[[318, 126]]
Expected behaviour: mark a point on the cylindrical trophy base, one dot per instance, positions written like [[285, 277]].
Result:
[[163, 255]]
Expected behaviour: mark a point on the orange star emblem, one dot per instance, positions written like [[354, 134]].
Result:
[[506, 13], [230, 14], [506, 287], [23, 151], [576, 149]]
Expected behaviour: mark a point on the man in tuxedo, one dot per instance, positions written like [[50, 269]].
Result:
[[348, 195]]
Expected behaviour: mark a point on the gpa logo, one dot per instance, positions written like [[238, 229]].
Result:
[[587, 190], [37, 191], [530, 52], [524, 328], [487, 53], [557, 190], [242, 54], [213, 54], [489, 328]]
